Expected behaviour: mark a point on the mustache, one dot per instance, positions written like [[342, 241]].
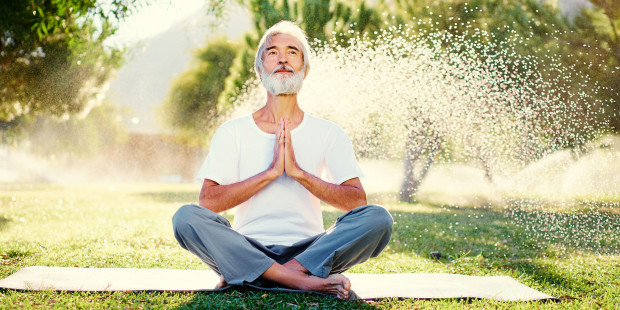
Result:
[[283, 67]]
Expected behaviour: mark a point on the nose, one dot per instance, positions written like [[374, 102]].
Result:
[[282, 58]]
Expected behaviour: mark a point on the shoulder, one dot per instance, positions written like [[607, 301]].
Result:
[[234, 125], [238, 122], [325, 132], [322, 124], [230, 131]]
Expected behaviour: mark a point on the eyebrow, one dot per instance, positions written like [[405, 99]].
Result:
[[290, 46]]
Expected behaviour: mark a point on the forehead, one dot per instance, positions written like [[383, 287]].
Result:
[[283, 40]]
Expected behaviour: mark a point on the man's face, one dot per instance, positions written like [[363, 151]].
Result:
[[283, 49], [282, 65]]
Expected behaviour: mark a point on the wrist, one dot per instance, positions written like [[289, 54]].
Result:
[[296, 174]]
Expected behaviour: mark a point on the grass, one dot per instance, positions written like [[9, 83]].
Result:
[[128, 225]]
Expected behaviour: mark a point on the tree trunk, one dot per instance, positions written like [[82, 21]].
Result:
[[420, 153]]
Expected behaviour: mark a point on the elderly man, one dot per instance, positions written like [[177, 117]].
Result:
[[268, 165]]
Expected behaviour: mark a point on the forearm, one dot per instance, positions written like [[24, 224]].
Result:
[[346, 196], [219, 198]]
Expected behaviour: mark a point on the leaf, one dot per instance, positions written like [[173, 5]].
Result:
[[39, 34], [44, 28]]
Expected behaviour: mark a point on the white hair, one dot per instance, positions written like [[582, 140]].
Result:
[[283, 27]]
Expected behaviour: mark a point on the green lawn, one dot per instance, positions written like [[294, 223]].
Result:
[[570, 254]]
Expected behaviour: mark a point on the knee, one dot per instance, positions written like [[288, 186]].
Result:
[[194, 215], [185, 215], [379, 219]]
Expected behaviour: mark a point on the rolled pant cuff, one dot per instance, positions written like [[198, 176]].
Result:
[[254, 275]]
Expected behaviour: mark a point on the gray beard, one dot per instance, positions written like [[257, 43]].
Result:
[[282, 85]]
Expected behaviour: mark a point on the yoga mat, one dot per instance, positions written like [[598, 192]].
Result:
[[366, 286]]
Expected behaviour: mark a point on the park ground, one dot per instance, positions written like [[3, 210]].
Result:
[[129, 226]]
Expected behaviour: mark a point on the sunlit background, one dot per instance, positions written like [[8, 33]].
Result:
[[488, 128], [510, 104]]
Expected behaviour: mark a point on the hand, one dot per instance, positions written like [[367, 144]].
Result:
[[277, 165], [290, 164]]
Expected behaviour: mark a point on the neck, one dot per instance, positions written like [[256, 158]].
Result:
[[279, 106]]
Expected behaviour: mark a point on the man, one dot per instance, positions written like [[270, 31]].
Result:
[[268, 166]]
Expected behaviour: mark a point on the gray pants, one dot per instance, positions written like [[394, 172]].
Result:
[[356, 236]]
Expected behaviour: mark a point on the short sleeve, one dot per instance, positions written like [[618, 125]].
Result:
[[340, 162], [221, 164]]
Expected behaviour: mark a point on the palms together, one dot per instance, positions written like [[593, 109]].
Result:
[[284, 155]]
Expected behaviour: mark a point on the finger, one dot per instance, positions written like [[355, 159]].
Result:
[[280, 127], [287, 134], [280, 132]]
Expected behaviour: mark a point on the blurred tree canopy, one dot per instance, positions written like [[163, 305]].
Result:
[[191, 105], [52, 58], [588, 43]]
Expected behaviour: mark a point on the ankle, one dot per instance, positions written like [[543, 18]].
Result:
[[294, 265], [311, 283]]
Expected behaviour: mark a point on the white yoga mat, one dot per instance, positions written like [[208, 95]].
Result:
[[366, 286]]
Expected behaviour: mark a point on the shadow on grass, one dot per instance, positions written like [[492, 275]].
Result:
[[496, 232], [175, 197], [455, 231], [4, 222], [255, 299]]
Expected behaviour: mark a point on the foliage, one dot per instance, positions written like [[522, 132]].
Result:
[[191, 106], [587, 45], [595, 38], [52, 59], [320, 19]]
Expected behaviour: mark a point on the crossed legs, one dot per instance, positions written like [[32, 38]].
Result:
[[314, 264]]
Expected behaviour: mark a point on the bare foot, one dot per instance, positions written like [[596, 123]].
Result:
[[222, 283], [339, 284], [335, 285]]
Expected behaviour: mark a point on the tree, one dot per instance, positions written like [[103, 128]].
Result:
[[191, 106], [595, 37], [52, 58], [588, 46]]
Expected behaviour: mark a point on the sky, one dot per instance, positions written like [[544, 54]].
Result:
[[154, 19]]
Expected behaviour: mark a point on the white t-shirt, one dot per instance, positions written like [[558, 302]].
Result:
[[284, 212]]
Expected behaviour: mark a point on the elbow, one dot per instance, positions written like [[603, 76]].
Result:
[[202, 199], [205, 202], [356, 203], [361, 202], [202, 202]]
